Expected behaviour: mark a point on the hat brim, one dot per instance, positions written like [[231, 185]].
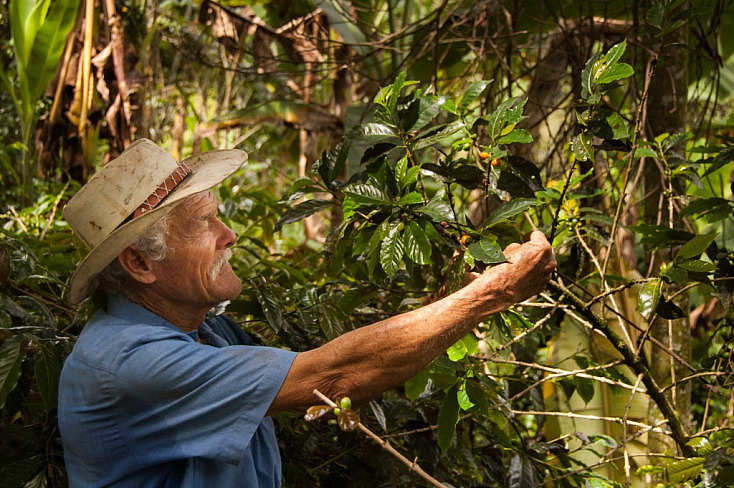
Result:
[[208, 170]]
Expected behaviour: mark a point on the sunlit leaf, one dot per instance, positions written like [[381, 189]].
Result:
[[517, 135], [463, 399], [650, 297], [684, 470]]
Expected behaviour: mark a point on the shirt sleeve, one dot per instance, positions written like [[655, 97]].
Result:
[[184, 399]]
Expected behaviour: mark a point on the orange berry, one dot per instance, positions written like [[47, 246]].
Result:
[[495, 162], [465, 239], [484, 155]]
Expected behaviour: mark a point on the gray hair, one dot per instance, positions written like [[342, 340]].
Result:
[[113, 279]]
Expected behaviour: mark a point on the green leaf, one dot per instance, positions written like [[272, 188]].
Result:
[[669, 310], [438, 208], [650, 297], [417, 245], [395, 90], [697, 266], [654, 15], [366, 194], [392, 250], [684, 470], [509, 209], [439, 136], [695, 247], [462, 347], [517, 135], [412, 198], [585, 388], [428, 108], [645, 152], [582, 147], [497, 119], [463, 400], [471, 94], [47, 367], [415, 386], [487, 251], [48, 44], [615, 52], [301, 211], [614, 73], [373, 133], [401, 168], [448, 416], [10, 362], [520, 474]]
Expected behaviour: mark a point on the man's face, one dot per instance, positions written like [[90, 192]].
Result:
[[195, 270]]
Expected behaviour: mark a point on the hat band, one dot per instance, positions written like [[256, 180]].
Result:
[[161, 192]]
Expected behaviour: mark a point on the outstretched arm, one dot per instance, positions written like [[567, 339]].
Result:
[[364, 362]]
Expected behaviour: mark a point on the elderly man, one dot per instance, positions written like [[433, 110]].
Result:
[[156, 394]]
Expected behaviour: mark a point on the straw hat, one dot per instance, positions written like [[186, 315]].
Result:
[[131, 193]]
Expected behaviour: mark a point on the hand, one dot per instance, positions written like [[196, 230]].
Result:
[[528, 268]]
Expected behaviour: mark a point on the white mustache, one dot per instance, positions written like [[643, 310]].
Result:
[[217, 267]]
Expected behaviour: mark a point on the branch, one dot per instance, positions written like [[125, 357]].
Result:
[[635, 362], [412, 466]]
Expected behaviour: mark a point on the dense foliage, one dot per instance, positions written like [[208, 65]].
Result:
[[619, 374]]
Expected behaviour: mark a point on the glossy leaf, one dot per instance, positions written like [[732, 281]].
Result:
[[616, 72], [487, 251], [438, 208], [669, 310], [392, 249], [650, 297], [436, 137], [416, 243], [348, 420], [301, 211], [366, 194], [509, 209], [317, 411], [520, 474]]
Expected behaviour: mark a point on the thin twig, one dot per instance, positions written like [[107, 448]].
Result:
[[412, 466]]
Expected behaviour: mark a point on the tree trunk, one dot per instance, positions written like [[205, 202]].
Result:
[[666, 110]]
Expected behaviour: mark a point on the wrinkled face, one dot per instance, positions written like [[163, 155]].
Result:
[[195, 270]]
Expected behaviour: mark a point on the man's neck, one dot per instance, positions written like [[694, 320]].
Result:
[[185, 317]]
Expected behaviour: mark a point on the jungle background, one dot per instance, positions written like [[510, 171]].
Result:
[[393, 146]]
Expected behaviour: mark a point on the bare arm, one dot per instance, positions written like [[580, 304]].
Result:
[[363, 363]]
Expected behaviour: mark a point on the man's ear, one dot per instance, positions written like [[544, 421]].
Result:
[[137, 264]]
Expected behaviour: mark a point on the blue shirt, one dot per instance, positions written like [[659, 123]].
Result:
[[142, 404]]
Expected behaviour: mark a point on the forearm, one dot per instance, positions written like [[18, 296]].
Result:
[[364, 362]]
